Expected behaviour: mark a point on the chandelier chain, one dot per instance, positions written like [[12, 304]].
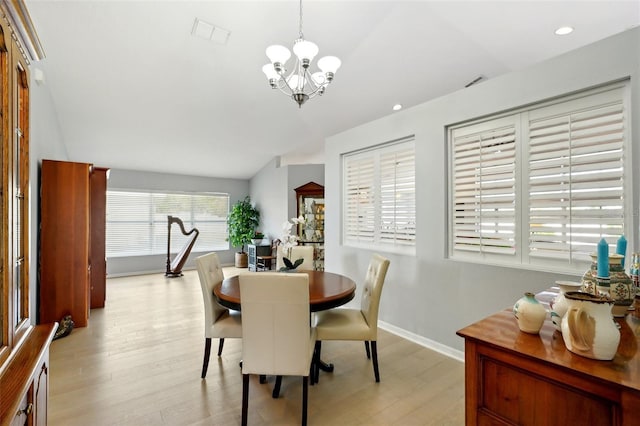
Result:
[[300, 31]]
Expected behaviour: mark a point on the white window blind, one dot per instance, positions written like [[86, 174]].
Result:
[[542, 185], [576, 176], [484, 181], [379, 196], [137, 222]]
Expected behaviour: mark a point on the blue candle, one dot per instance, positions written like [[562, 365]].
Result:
[[621, 248], [603, 258]]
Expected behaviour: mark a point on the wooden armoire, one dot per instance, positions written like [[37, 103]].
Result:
[[72, 240]]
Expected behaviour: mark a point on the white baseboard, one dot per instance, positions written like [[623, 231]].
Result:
[[423, 341]]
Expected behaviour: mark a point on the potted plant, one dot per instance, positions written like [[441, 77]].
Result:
[[243, 220], [257, 238]]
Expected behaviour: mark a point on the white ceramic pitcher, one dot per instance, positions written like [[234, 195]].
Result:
[[588, 328]]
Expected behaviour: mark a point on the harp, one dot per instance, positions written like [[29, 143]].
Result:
[[174, 268]]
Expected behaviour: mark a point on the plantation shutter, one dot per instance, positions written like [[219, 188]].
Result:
[[379, 196], [359, 218], [398, 196], [576, 196], [484, 193]]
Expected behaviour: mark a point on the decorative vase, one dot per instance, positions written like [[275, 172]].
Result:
[[620, 286], [309, 234], [529, 313], [589, 278], [588, 328], [559, 304]]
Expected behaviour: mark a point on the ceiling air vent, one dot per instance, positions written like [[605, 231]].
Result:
[[207, 31]]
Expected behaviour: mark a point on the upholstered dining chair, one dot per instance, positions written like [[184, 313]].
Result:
[[297, 252], [277, 337], [356, 324], [219, 321]]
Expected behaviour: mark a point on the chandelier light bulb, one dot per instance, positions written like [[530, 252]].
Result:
[[270, 72], [329, 64], [318, 78], [305, 50], [278, 54]]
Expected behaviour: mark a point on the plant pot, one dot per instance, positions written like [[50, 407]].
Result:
[[241, 260]]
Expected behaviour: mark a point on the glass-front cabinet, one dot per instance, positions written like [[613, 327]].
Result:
[[24, 347], [310, 202]]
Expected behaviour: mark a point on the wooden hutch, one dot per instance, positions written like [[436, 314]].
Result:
[[310, 205]]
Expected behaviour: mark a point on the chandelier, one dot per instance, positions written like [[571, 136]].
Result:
[[300, 84]]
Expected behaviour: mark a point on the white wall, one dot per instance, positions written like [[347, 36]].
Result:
[[428, 295], [268, 193], [46, 141]]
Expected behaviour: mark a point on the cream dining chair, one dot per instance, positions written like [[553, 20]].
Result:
[[219, 321], [277, 335], [356, 324], [297, 252]]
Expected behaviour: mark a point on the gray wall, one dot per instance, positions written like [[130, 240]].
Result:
[[298, 176], [427, 295], [273, 192], [136, 180]]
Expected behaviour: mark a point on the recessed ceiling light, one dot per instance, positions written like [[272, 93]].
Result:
[[397, 107], [564, 30]]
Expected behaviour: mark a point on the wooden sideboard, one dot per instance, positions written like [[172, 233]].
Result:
[[24, 380], [516, 378]]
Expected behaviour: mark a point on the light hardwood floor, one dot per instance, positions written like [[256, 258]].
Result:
[[139, 361]]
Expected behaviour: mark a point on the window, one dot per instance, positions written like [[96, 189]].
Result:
[[137, 221], [379, 197], [541, 186]]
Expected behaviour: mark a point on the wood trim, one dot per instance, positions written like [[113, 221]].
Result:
[[22, 25]]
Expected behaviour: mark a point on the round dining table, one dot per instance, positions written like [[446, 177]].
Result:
[[326, 290]]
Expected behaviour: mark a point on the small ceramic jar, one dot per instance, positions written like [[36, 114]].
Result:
[[529, 313]]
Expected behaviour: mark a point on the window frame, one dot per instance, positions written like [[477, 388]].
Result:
[[372, 234], [522, 259]]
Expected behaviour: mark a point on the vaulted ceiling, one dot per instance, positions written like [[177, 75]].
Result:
[[134, 89]]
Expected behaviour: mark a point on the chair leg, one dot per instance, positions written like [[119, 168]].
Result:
[[316, 365], [366, 348], [263, 379], [245, 398], [207, 354], [276, 387], [220, 346], [374, 350], [305, 397]]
